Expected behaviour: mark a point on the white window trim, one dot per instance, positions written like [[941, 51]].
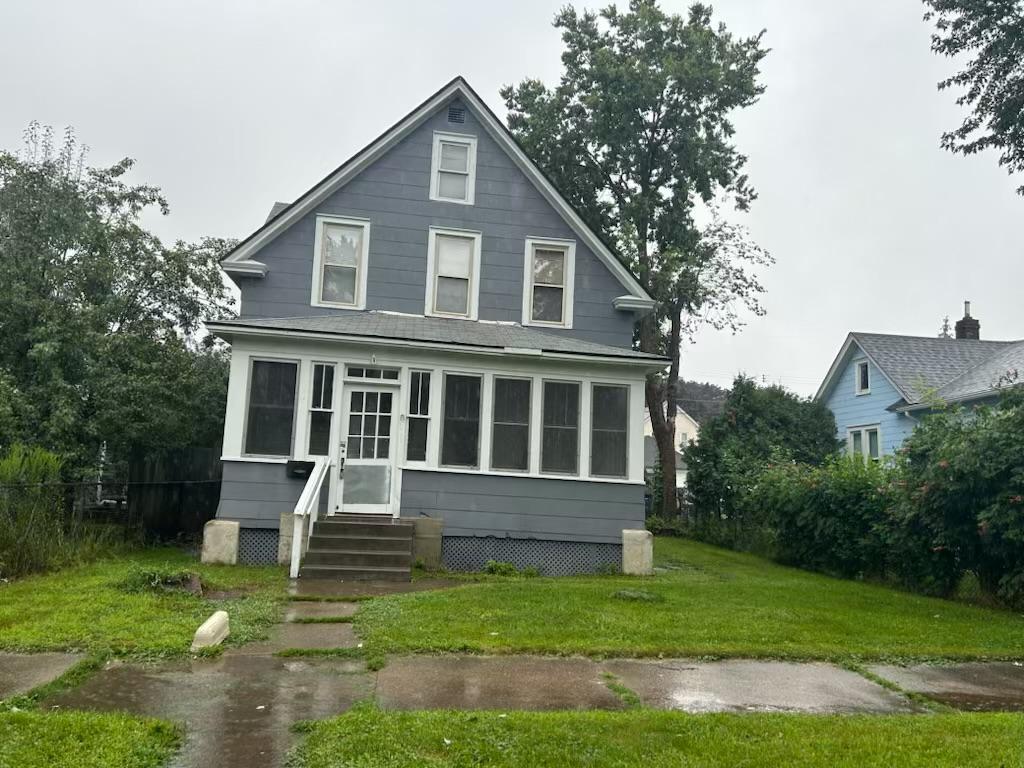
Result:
[[435, 166], [474, 274], [318, 266], [864, 429], [569, 275], [297, 403], [856, 378]]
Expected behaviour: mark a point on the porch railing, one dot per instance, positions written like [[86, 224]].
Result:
[[307, 508]]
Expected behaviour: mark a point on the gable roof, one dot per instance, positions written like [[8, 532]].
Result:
[[953, 369], [240, 259], [377, 327]]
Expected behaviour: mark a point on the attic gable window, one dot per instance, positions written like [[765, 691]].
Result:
[[863, 382], [340, 254], [453, 269], [453, 168], [548, 282]]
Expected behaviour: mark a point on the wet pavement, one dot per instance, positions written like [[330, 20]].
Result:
[[977, 686], [754, 686], [307, 609], [495, 682], [237, 711], [316, 637], [339, 589], [20, 673]]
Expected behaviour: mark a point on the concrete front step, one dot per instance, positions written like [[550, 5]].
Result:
[[363, 528], [355, 557], [355, 572], [360, 543]]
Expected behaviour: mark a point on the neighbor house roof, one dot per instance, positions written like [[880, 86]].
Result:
[[240, 260], [919, 366], [391, 326]]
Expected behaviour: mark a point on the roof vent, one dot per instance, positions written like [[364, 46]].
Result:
[[456, 114]]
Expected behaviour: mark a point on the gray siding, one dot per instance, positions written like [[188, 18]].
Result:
[[255, 494], [394, 194], [523, 507]]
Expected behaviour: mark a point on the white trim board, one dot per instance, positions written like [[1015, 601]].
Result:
[[457, 88]]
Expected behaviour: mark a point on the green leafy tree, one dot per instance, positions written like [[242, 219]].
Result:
[[637, 135], [987, 36], [99, 321]]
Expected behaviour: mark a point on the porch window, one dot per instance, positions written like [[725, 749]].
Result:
[[460, 441], [341, 249], [453, 266], [453, 168], [560, 441], [510, 439], [362, 372], [609, 430], [321, 404], [547, 292], [419, 416], [270, 415]]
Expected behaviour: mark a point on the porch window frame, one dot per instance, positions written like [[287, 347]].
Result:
[[481, 415], [312, 408], [319, 264], [581, 405], [531, 395], [426, 417], [253, 359], [594, 384]]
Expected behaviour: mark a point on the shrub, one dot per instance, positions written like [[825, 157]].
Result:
[[496, 568], [32, 533]]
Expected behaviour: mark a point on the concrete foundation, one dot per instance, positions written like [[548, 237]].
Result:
[[426, 542], [637, 553]]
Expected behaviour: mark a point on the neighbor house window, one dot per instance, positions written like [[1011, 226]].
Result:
[[453, 168], [419, 416], [341, 250], [863, 378], [321, 406], [609, 430], [548, 282], [864, 442], [453, 266], [510, 439], [560, 440], [270, 416], [460, 439]]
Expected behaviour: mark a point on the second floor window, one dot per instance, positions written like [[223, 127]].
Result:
[[339, 275], [547, 294], [863, 378], [453, 264], [453, 168]]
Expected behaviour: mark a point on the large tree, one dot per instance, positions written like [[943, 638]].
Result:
[[99, 321], [987, 37], [638, 136]]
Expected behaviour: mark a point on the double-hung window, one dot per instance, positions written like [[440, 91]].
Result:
[[453, 168], [341, 249], [453, 268], [864, 442], [510, 438], [863, 384], [321, 407], [548, 282], [560, 438], [609, 430], [419, 416], [460, 437], [270, 415]]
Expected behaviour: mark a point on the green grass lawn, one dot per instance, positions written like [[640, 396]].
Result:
[[712, 602], [86, 607], [83, 740], [368, 738]]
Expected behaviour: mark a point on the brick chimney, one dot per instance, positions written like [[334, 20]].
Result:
[[968, 327]]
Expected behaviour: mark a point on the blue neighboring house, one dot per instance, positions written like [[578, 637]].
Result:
[[880, 385]]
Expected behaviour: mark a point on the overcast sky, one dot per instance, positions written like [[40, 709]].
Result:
[[229, 106]]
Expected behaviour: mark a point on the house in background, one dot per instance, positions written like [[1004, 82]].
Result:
[[880, 385], [687, 428], [432, 331], [651, 463]]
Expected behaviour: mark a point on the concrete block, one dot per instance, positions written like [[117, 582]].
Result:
[[426, 541], [211, 632], [637, 553], [284, 537], [220, 542]]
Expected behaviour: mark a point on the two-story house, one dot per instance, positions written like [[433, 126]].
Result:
[[880, 385], [437, 328]]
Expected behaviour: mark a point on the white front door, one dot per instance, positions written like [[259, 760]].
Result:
[[367, 450]]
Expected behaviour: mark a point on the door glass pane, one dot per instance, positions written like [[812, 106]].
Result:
[[371, 402], [367, 484], [548, 266], [460, 441], [385, 402], [608, 436], [560, 438], [271, 411], [547, 304], [452, 186], [454, 157], [452, 296]]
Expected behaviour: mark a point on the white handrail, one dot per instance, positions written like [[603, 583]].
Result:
[[308, 506]]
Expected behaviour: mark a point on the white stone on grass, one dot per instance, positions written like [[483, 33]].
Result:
[[637, 553], [220, 542], [211, 632]]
